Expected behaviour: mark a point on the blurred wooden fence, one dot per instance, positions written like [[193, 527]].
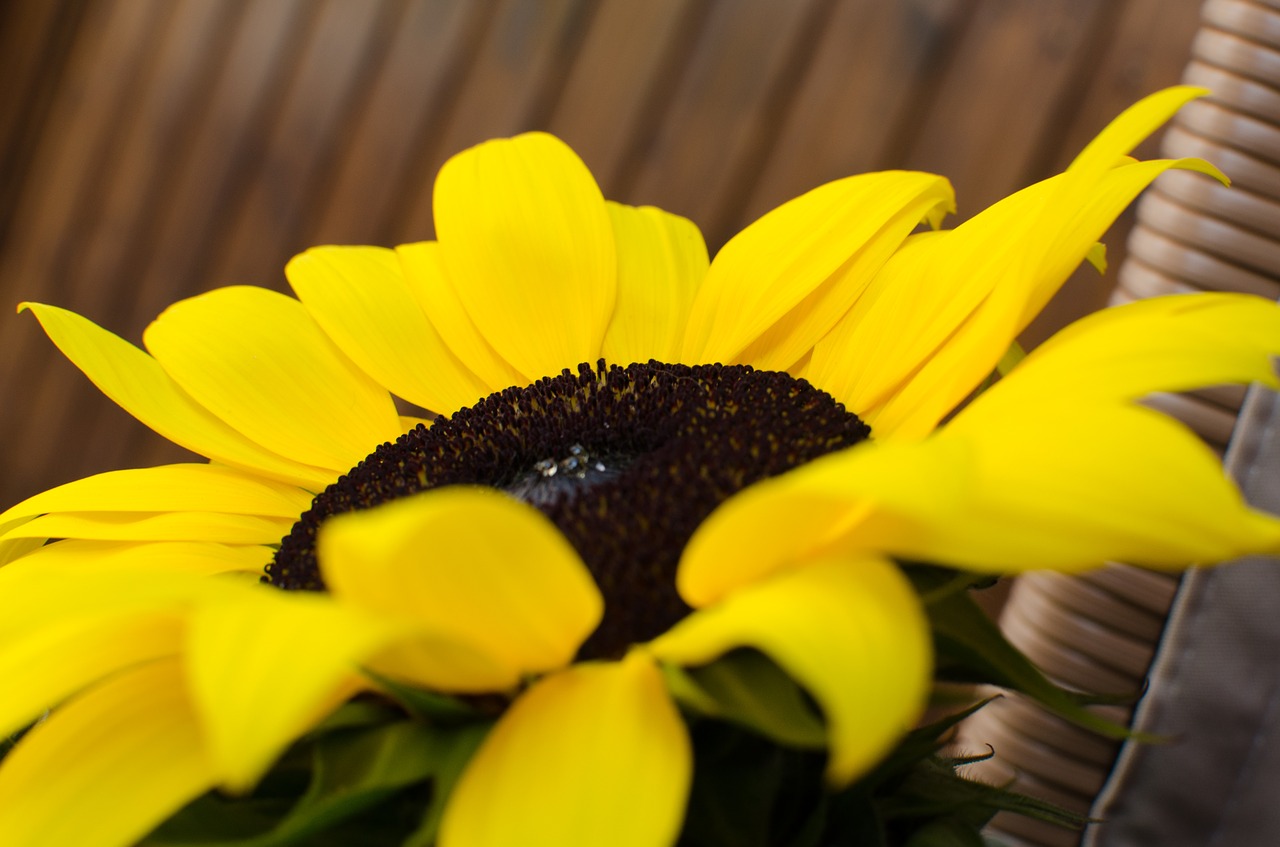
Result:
[[153, 149]]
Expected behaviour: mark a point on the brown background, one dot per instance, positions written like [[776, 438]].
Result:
[[153, 149]]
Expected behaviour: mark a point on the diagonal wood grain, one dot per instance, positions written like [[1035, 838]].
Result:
[[152, 149]]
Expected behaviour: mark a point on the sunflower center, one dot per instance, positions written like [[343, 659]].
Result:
[[625, 461]]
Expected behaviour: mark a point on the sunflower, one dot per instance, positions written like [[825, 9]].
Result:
[[637, 461]]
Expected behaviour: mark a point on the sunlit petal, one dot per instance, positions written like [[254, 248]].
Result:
[[942, 312], [596, 754], [16, 548], [59, 659], [436, 295], [1066, 487], [784, 281], [1071, 487], [258, 361], [32, 597], [1123, 353], [526, 242], [82, 556], [137, 383], [155, 526], [841, 502], [107, 767], [852, 632], [264, 667], [360, 298], [207, 488], [1081, 214], [471, 563], [1131, 127], [662, 260]]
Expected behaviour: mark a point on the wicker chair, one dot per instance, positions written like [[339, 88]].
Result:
[[1206, 648]]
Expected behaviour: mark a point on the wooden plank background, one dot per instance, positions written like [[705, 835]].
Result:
[[153, 149]]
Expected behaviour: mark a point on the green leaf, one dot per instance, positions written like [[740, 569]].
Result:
[[353, 771], [735, 787], [966, 639], [855, 819], [921, 743], [433, 706], [935, 791], [453, 759], [356, 714], [688, 693], [745, 687], [948, 832], [748, 791], [216, 819]]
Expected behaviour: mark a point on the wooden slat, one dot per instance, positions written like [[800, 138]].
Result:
[[727, 110], [164, 147], [426, 57], [34, 41], [1017, 60], [631, 61], [874, 65], [76, 147], [59, 202], [209, 183], [511, 86], [137, 182], [291, 172], [1146, 49], [101, 262], [249, 65], [85, 138]]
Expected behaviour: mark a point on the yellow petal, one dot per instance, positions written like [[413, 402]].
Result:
[[596, 754], [844, 502], [1010, 259], [46, 665], [137, 383], [256, 360], [1083, 212], [207, 488], [265, 666], [145, 526], [103, 770], [906, 313], [783, 282], [1070, 487], [359, 297], [16, 548], [32, 597], [662, 260], [852, 632], [436, 295], [527, 245], [470, 563], [1063, 487], [940, 315], [1130, 128], [432, 658], [194, 557], [1123, 353]]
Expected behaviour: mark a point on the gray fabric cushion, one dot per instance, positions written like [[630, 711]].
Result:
[[1214, 692]]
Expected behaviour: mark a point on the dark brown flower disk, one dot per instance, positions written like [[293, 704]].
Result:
[[627, 462]]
